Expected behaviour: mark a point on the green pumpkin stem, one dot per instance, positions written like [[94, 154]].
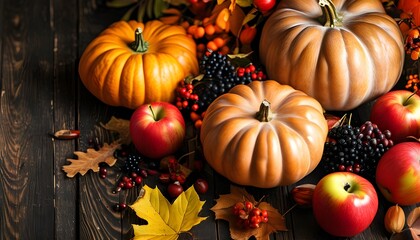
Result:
[[139, 44], [264, 114], [330, 17]]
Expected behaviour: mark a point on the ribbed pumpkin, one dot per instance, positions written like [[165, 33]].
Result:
[[264, 134], [341, 52], [131, 63]]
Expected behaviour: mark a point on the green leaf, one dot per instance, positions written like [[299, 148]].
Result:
[[177, 2], [128, 14], [120, 3], [140, 13], [244, 3], [250, 16], [149, 8], [158, 8]]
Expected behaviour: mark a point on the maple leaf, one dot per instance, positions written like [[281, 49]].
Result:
[[223, 210], [164, 220], [121, 126], [91, 159]]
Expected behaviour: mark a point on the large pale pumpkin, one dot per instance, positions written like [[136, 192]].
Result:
[[131, 63], [341, 52], [264, 134]]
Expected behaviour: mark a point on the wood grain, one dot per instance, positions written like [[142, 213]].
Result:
[[27, 186]]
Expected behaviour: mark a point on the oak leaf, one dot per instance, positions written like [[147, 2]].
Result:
[[91, 159], [165, 220], [121, 126], [223, 210]]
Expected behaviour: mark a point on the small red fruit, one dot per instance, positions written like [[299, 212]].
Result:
[[201, 186], [175, 189]]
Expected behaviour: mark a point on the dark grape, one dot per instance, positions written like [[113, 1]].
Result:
[[355, 149]]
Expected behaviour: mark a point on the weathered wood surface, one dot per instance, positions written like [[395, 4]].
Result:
[[41, 42]]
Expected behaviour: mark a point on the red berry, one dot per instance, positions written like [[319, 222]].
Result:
[[194, 107], [128, 185], [138, 180], [249, 206]]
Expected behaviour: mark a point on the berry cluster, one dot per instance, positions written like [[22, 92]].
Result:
[[355, 149], [133, 173], [412, 43], [219, 75], [412, 82], [249, 215]]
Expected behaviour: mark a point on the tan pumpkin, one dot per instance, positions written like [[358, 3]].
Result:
[[131, 63], [341, 52], [264, 134]]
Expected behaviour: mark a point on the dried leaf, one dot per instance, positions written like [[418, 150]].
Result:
[[91, 159], [223, 19], [223, 210], [121, 126], [413, 220], [235, 21], [166, 221]]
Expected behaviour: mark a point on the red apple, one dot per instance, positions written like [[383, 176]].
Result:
[[398, 173], [399, 112], [344, 204], [157, 129], [264, 5]]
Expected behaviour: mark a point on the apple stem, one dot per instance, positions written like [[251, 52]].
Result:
[[347, 187], [153, 113], [405, 102]]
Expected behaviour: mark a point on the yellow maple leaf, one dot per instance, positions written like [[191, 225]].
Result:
[[165, 220]]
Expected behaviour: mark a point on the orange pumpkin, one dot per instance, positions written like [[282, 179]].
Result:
[[264, 134], [341, 52], [131, 63]]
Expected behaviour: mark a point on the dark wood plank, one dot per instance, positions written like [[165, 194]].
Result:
[[64, 23], [97, 218], [26, 166]]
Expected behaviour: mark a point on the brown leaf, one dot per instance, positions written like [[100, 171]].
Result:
[[91, 159], [413, 220], [223, 210], [121, 126]]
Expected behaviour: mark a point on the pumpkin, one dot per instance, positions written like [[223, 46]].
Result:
[[341, 52], [132, 63], [264, 134]]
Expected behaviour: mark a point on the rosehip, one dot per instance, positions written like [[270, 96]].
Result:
[[175, 189], [201, 186]]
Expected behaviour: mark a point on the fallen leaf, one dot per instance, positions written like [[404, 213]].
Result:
[[165, 220], [413, 220], [223, 210], [91, 159], [121, 126]]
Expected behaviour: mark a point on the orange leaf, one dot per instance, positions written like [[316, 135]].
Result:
[[413, 220], [91, 159], [224, 210]]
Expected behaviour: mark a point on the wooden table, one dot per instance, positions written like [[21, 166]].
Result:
[[41, 42]]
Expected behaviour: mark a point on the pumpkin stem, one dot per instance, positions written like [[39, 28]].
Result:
[[330, 16], [139, 44], [264, 114]]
